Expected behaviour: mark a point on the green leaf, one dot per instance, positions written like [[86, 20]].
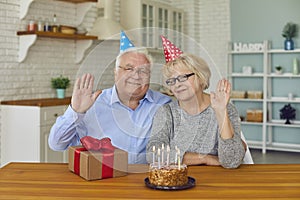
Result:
[[290, 30], [60, 82]]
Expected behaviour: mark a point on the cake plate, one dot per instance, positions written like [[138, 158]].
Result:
[[191, 183]]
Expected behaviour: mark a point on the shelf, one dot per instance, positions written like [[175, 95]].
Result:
[[58, 35], [284, 75], [247, 75], [28, 38], [274, 146], [246, 52], [255, 75], [284, 51], [283, 147], [284, 100], [83, 42], [84, 6], [247, 100], [281, 123], [252, 123], [269, 104], [254, 144]]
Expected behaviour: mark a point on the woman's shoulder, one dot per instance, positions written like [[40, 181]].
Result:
[[172, 106], [168, 107]]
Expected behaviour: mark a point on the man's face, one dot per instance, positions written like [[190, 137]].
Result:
[[132, 76]]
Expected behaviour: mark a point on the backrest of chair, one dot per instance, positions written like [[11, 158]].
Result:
[[248, 158]]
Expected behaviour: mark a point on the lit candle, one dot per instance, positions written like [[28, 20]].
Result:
[[168, 155], [158, 157], [162, 153], [153, 155], [178, 154]]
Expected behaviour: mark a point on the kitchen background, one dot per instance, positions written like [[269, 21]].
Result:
[[212, 23]]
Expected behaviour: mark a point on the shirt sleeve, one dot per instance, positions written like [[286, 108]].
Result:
[[231, 151], [63, 132]]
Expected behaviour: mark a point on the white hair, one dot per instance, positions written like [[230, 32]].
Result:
[[140, 50]]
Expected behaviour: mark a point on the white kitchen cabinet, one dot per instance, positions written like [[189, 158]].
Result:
[[25, 130], [148, 14], [272, 133]]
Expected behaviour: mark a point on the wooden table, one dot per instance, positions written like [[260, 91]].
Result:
[[55, 181]]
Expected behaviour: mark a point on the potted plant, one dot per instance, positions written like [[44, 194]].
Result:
[[289, 31], [287, 113], [60, 84], [278, 70]]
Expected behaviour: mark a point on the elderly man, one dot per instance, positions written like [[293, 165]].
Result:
[[123, 113]]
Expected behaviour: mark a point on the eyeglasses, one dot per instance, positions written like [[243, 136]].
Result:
[[143, 72], [180, 78]]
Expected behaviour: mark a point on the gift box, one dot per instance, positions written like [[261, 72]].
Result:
[[100, 164]]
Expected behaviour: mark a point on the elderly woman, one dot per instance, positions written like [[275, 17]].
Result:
[[204, 127]]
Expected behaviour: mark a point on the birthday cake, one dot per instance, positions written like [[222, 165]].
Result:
[[170, 175]]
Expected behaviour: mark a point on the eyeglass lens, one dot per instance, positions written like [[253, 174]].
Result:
[[180, 78]]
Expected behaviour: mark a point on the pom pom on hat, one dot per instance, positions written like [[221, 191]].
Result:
[[170, 50], [125, 43]]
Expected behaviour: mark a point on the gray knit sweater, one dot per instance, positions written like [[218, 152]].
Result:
[[196, 133]]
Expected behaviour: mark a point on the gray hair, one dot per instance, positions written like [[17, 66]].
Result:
[[140, 50]]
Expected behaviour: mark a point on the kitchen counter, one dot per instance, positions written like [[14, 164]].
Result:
[[38, 102]]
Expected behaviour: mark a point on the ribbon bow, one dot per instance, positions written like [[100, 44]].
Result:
[[91, 143]]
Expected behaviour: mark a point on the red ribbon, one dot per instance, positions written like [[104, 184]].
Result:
[[107, 163], [91, 143], [104, 146], [77, 160]]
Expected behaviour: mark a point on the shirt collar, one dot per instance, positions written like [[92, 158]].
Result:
[[115, 97]]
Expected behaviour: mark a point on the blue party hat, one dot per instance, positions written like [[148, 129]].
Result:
[[125, 43]]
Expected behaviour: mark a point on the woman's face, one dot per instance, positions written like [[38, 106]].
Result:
[[185, 87]]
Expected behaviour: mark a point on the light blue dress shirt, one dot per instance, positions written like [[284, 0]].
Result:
[[128, 129]]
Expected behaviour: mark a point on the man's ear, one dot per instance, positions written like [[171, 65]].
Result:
[[115, 72]]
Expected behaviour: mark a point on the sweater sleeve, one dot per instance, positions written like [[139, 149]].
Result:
[[161, 130], [231, 151]]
